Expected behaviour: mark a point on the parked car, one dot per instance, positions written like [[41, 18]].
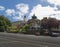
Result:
[[37, 33], [46, 33], [54, 34]]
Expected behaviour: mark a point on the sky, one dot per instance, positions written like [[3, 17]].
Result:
[[15, 10]]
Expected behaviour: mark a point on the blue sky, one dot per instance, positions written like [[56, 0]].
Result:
[[16, 9]]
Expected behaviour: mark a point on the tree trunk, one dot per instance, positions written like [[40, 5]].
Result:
[[50, 32]]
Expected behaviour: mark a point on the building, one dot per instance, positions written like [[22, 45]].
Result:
[[20, 24], [34, 25]]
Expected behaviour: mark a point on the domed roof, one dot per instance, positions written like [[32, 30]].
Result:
[[34, 17], [34, 20]]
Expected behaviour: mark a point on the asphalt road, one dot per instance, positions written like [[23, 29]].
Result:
[[21, 40]]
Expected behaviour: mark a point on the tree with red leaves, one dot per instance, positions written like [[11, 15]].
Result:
[[49, 23]]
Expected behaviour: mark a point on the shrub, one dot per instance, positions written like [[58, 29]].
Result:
[[24, 28], [12, 29], [42, 31]]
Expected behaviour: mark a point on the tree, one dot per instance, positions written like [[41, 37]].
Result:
[[44, 22], [49, 23], [4, 22], [52, 22], [24, 28], [12, 29]]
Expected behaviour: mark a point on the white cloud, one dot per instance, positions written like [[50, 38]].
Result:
[[18, 16], [10, 12], [2, 8], [57, 15], [47, 11], [56, 2], [23, 8]]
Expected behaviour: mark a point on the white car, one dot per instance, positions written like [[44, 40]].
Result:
[[54, 34]]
